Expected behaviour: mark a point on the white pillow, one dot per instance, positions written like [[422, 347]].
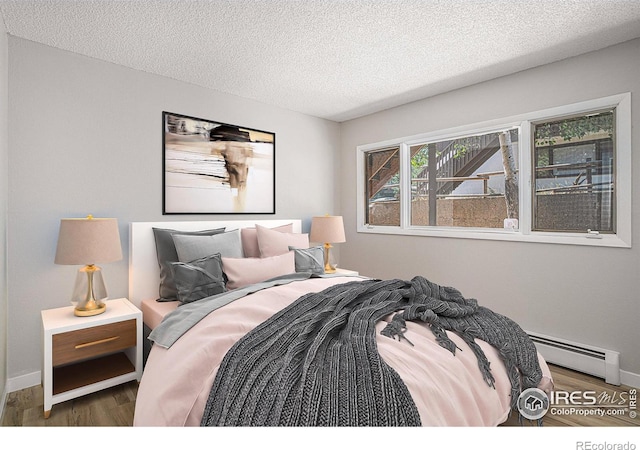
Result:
[[245, 271], [273, 243]]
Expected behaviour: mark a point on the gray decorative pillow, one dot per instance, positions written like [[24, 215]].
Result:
[[166, 253], [228, 244], [198, 279], [309, 260]]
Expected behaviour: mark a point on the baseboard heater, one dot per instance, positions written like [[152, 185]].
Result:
[[594, 361]]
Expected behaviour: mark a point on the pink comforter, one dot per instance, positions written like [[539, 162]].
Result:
[[447, 389]]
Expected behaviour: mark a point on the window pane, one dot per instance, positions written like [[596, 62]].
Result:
[[469, 188], [573, 177], [383, 187]]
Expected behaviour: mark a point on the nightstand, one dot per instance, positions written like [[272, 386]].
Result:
[[87, 354]]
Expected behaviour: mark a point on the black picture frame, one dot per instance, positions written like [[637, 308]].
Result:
[[211, 167]]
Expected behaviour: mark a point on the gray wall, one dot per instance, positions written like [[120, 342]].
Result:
[[86, 138], [583, 294], [3, 210]]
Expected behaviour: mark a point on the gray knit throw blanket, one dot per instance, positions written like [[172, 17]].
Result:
[[316, 362]]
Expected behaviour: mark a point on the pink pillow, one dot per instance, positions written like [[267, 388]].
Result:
[[249, 238], [273, 243], [245, 271]]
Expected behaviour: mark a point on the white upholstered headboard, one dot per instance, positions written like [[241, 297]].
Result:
[[144, 272]]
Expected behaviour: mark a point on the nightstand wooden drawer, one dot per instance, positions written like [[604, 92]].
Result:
[[90, 342]]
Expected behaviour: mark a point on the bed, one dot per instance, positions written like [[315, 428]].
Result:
[[252, 346]]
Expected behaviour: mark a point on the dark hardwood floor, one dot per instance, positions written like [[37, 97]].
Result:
[[114, 407]]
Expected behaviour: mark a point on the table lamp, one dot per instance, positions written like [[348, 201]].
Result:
[[87, 242], [330, 230]]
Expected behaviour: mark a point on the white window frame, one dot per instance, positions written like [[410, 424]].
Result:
[[623, 182]]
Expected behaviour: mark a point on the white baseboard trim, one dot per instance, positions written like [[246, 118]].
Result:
[[630, 379], [16, 384], [23, 381]]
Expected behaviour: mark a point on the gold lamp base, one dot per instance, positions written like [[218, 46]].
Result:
[[88, 290], [327, 263], [92, 308]]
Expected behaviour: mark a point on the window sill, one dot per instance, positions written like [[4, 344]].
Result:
[[603, 240]]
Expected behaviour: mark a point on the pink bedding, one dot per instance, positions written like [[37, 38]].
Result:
[[154, 311], [447, 389]]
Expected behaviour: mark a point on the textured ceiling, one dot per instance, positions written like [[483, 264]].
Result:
[[336, 59]]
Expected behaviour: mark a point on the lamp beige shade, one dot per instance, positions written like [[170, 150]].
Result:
[[330, 230], [327, 229], [88, 241]]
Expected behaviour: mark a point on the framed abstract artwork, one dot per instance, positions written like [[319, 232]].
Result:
[[216, 168]]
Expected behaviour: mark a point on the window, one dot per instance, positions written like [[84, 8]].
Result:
[[561, 175], [469, 181], [383, 190], [573, 176]]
